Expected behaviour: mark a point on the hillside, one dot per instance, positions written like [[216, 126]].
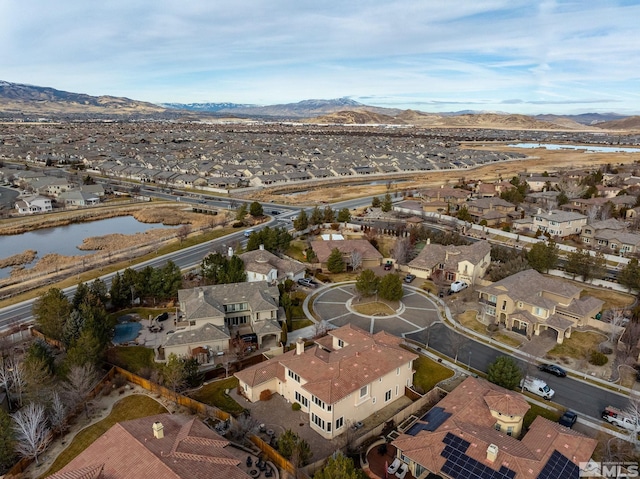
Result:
[[628, 123], [356, 117]]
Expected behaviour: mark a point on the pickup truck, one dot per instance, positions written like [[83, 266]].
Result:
[[619, 418]]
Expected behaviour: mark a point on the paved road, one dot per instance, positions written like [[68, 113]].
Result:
[[579, 396]]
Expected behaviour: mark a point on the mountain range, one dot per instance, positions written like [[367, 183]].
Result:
[[27, 101]]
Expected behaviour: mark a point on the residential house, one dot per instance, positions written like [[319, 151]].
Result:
[[344, 377], [78, 198], [544, 199], [616, 204], [472, 434], [492, 210], [51, 186], [262, 265], [29, 205], [451, 263], [557, 223], [169, 446], [210, 316], [611, 234], [369, 256], [529, 303], [539, 182], [444, 200]]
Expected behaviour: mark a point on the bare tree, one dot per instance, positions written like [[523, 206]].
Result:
[[630, 340], [32, 431], [617, 321], [571, 188], [18, 380], [457, 341], [58, 413], [320, 329], [356, 260], [592, 214], [243, 426], [633, 411], [80, 381], [401, 250], [182, 232], [6, 375]]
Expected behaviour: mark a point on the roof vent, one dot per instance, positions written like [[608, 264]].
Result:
[[492, 452], [158, 430]]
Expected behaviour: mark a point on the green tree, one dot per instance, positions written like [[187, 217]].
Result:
[[328, 215], [284, 333], [51, 311], [212, 267], [504, 371], [335, 262], [275, 240], [375, 202], [582, 263], [241, 212], [255, 209], [543, 256], [344, 215], [173, 374], [81, 292], [234, 271], [367, 283], [387, 204], [339, 467], [316, 216], [301, 222], [286, 443], [391, 288], [464, 215], [165, 281], [630, 275], [562, 198], [87, 350], [117, 292], [7, 442]]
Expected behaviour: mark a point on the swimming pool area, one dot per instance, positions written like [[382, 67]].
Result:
[[125, 332]]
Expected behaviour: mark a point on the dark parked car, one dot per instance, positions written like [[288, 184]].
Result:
[[410, 277], [388, 265], [163, 317], [553, 369], [568, 419]]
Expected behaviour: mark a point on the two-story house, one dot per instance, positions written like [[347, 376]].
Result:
[[444, 200], [492, 210], [262, 265], [472, 433], [344, 377], [28, 205], [558, 223], [529, 303], [211, 315], [451, 263]]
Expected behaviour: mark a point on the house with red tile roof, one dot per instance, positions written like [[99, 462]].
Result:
[[472, 434], [344, 377], [370, 257], [167, 446]]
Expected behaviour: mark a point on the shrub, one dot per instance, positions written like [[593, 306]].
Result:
[[296, 406], [598, 359], [265, 395], [492, 327]]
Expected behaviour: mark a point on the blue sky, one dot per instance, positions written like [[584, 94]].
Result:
[[520, 56]]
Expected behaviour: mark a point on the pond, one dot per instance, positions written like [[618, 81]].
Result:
[[64, 240]]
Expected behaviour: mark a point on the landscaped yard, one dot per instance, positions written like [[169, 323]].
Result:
[[296, 250], [300, 323], [429, 373], [536, 411], [373, 308], [468, 319], [577, 346], [508, 340], [214, 394], [132, 358], [131, 407], [612, 299], [143, 313]]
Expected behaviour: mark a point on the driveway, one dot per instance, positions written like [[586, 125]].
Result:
[[416, 312]]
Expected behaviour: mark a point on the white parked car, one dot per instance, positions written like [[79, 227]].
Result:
[[458, 286]]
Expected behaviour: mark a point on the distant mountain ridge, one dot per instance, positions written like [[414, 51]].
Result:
[[20, 100]]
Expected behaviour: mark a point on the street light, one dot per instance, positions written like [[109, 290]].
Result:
[[469, 363]]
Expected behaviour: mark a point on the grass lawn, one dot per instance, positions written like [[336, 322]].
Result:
[[131, 407], [340, 277], [429, 373], [296, 250], [132, 358], [508, 340], [468, 319], [612, 299], [430, 286], [214, 394], [144, 313], [300, 323], [374, 308], [536, 411], [578, 345]]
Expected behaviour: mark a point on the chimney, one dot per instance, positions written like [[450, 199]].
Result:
[[158, 430], [262, 247], [428, 240], [492, 452], [299, 347]]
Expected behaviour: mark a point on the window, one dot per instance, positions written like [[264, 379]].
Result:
[[364, 390], [319, 402], [397, 372], [397, 387], [497, 427], [492, 298], [339, 422], [504, 305], [387, 396], [491, 311], [538, 311], [340, 343], [318, 421], [373, 400], [293, 376], [510, 431], [302, 400]]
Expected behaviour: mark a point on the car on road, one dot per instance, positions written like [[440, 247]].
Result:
[[410, 277], [458, 286], [568, 419], [553, 369], [275, 212]]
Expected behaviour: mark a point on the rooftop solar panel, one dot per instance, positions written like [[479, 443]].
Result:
[[459, 465], [559, 466]]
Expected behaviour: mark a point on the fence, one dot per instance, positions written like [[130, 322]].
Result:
[[273, 455]]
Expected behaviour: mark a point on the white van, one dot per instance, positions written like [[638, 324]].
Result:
[[537, 386]]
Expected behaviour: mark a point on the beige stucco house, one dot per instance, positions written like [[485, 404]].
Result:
[[262, 265], [211, 316], [369, 256], [344, 377], [450, 263], [473, 431], [529, 303]]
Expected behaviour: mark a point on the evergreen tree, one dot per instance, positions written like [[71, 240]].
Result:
[[335, 262], [316, 216], [51, 312], [375, 202], [464, 215], [7, 442], [543, 256], [391, 288], [344, 215], [504, 372], [241, 212], [255, 209], [387, 204], [339, 467], [284, 333], [630, 275], [301, 222], [367, 283], [329, 215]]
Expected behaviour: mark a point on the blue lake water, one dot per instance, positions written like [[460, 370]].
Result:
[[65, 240], [590, 148]]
